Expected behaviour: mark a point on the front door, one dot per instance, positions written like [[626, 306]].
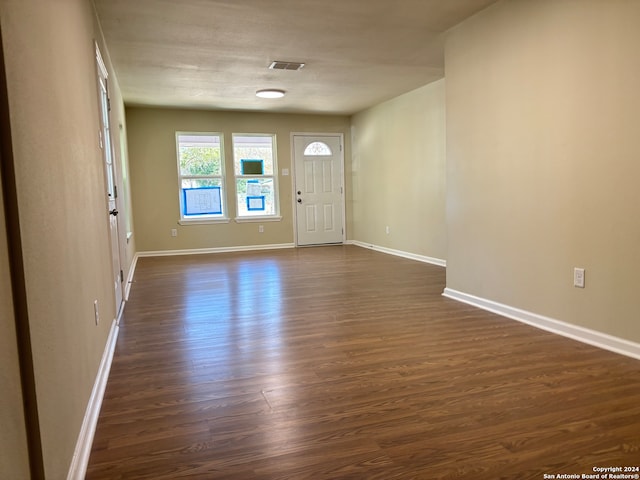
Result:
[[319, 189], [107, 150]]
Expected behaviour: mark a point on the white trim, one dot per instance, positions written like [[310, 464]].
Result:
[[202, 221], [132, 270], [399, 253], [575, 332], [80, 460], [198, 251], [101, 66], [270, 218]]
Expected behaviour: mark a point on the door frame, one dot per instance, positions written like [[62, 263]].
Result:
[[293, 180], [17, 294], [111, 176]]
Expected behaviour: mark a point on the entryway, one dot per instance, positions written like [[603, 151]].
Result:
[[319, 189]]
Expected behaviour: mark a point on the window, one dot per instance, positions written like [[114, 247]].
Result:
[[201, 176], [255, 165], [317, 149]]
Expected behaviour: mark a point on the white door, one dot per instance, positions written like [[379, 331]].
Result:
[[319, 189], [107, 149]]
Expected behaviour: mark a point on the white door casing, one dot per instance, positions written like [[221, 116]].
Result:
[[319, 189], [108, 157]]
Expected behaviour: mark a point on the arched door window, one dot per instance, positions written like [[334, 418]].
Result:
[[317, 149]]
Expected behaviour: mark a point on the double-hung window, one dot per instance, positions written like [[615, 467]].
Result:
[[201, 176], [256, 183]]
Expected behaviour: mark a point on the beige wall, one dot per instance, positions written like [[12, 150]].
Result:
[[542, 153], [14, 461], [399, 174], [50, 60], [154, 177]]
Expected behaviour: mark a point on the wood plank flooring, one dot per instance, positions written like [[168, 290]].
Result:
[[343, 363]]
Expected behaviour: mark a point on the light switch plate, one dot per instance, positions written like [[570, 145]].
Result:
[[578, 277]]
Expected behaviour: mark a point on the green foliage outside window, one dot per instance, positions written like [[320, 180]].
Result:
[[200, 160]]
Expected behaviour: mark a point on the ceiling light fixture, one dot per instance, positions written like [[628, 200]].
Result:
[[270, 93]]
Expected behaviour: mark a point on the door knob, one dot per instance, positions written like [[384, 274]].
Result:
[[299, 192], [113, 212], [299, 200]]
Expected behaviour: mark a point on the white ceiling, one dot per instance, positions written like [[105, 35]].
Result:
[[215, 54]]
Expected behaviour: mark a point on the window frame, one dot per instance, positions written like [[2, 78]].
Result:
[[275, 216], [203, 218]]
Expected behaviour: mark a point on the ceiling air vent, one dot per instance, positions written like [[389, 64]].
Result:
[[286, 66]]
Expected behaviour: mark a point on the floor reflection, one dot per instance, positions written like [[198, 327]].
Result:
[[233, 312]]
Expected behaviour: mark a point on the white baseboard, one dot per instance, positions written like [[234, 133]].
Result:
[[399, 253], [575, 332], [80, 459], [132, 270], [199, 251]]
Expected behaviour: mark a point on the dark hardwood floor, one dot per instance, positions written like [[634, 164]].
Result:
[[340, 362]]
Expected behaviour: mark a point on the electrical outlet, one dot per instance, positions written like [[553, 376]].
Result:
[[174, 232], [96, 313], [578, 277], [260, 228], [387, 229]]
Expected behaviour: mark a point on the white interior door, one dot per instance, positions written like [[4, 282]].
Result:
[[107, 148], [319, 189]]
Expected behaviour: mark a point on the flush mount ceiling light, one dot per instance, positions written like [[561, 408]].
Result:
[[270, 93]]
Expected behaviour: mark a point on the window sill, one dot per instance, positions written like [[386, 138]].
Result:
[[202, 221], [271, 218]]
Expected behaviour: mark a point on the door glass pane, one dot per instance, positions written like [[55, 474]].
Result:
[[317, 149]]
